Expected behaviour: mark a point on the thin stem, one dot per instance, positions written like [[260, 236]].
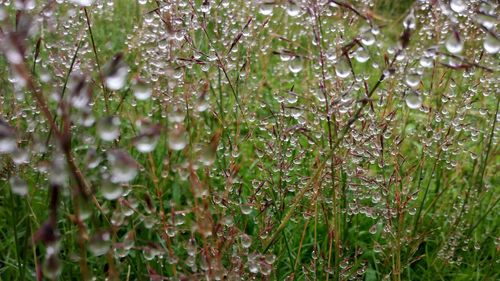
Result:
[[101, 77]]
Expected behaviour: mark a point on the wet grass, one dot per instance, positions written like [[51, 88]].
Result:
[[445, 221]]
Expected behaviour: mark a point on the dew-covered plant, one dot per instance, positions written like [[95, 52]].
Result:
[[249, 140]]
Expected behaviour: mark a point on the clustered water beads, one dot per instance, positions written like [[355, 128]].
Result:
[[249, 140]]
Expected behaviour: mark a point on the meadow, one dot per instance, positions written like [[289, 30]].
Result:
[[249, 140]]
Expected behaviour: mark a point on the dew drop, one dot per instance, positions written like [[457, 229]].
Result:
[[454, 43], [52, 266], [116, 72], [178, 138], [295, 65], [205, 7], [25, 4], [18, 186], [141, 90], [111, 191], [100, 243], [410, 21], [146, 143], [207, 155], [412, 80], [293, 9], [80, 94], [361, 55], [84, 3], [413, 100], [342, 68], [491, 44], [246, 241], [265, 269], [246, 209], [426, 61], [458, 6], [367, 38], [108, 128], [20, 156], [177, 115], [284, 56], [266, 8], [8, 141], [123, 167]]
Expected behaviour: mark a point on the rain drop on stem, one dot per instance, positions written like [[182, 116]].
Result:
[[343, 68], [122, 166], [178, 138], [7, 138], [413, 100], [116, 72], [100, 243], [454, 43], [18, 186], [108, 128], [295, 65], [83, 3], [491, 44], [141, 90]]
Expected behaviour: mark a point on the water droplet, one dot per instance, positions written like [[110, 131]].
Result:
[[176, 115], [25, 4], [8, 142], [148, 139], [52, 266], [146, 143], [92, 159], [178, 138], [491, 44], [84, 3], [123, 167], [100, 243], [141, 90], [12, 51], [426, 61], [116, 72], [108, 128], [266, 8], [80, 94], [343, 68], [410, 22], [270, 258], [285, 56], [18, 186], [202, 104], [246, 240], [246, 209], [412, 80], [111, 191], [362, 55], [458, 6], [454, 43], [228, 221], [413, 100], [265, 269], [205, 7], [367, 38], [20, 156], [488, 21], [207, 156], [295, 65], [292, 9]]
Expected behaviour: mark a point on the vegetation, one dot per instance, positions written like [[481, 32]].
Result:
[[249, 140]]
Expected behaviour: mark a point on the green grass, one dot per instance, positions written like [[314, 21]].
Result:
[[377, 191]]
